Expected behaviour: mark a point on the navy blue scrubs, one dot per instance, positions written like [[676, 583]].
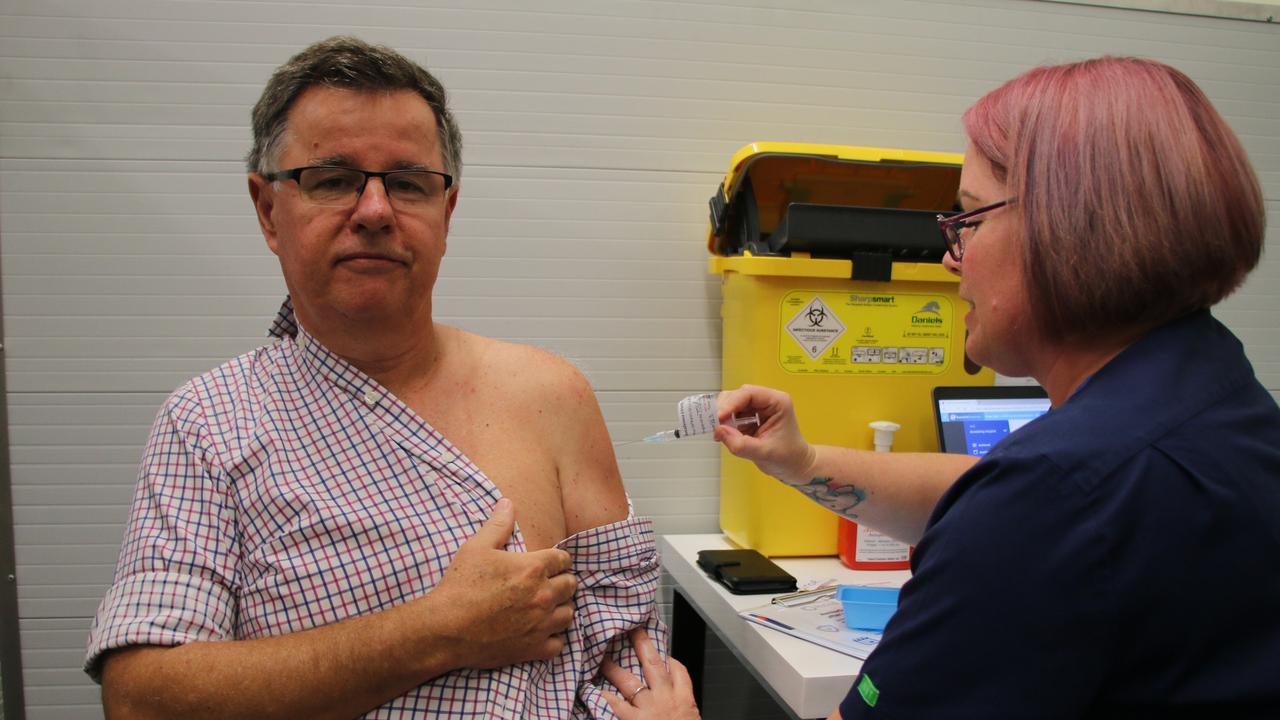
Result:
[[1117, 557]]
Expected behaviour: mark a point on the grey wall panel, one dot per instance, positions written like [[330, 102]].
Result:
[[74, 464], [595, 132], [55, 687]]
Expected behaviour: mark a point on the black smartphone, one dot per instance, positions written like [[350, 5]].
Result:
[[745, 572]]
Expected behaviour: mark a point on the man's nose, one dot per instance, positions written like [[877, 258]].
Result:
[[373, 209]]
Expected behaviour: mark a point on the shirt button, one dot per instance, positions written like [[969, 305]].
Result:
[[370, 399], [446, 457]]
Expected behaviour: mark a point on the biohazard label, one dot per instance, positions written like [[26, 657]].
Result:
[[815, 327], [866, 333]]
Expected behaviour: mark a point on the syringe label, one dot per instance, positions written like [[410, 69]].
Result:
[[696, 414]]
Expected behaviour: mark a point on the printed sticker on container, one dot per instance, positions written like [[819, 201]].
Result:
[[866, 333], [815, 328]]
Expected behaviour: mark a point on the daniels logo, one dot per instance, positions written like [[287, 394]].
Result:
[[930, 314]]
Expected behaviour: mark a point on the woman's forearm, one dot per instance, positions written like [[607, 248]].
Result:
[[893, 493]]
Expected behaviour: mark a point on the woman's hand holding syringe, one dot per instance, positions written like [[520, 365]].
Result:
[[775, 445]]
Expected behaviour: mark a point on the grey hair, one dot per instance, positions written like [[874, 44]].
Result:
[[350, 64]]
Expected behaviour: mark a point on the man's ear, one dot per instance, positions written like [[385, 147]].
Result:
[[450, 204], [264, 202]]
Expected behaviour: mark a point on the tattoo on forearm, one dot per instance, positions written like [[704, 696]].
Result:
[[840, 498]]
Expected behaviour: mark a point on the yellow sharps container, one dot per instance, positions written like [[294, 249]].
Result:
[[833, 290]]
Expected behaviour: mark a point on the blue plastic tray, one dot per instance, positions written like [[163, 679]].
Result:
[[867, 608]]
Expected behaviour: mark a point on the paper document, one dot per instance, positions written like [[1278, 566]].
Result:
[[821, 622]]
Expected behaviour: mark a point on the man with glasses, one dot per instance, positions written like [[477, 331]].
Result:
[[327, 526]]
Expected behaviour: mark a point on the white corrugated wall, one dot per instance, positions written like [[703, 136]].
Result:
[[595, 132]]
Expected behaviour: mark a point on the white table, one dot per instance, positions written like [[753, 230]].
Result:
[[808, 680]]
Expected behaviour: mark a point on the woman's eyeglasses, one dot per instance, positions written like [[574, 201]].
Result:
[[952, 226]]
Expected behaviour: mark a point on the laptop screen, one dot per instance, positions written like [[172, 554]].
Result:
[[971, 420]]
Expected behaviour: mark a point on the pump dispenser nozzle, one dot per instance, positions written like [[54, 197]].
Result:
[[884, 434]]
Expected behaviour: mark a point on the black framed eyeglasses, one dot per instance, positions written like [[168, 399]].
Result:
[[953, 225], [333, 186]]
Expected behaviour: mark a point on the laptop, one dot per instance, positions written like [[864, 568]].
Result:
[[972, 419]]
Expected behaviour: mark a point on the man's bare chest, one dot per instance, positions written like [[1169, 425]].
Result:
[[517, 458]]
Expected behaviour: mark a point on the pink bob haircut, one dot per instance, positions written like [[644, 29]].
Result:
[[1137, 202]]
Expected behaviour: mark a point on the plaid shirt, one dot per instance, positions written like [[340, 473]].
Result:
[[287, 490]]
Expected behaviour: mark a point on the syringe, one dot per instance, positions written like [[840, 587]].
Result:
[[669, 435], [695, 415]]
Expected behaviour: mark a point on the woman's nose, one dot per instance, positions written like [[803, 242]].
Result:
[[951, 264]]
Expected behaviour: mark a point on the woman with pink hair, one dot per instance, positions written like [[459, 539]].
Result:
[[1120, 555]]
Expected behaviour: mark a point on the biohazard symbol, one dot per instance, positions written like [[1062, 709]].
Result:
[[817, 314], [815, 327]]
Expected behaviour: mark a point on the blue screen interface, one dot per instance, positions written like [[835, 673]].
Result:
[[973, 426]]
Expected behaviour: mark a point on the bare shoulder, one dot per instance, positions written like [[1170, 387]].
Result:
[[540, 386], [554, 397], [540, 376]]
